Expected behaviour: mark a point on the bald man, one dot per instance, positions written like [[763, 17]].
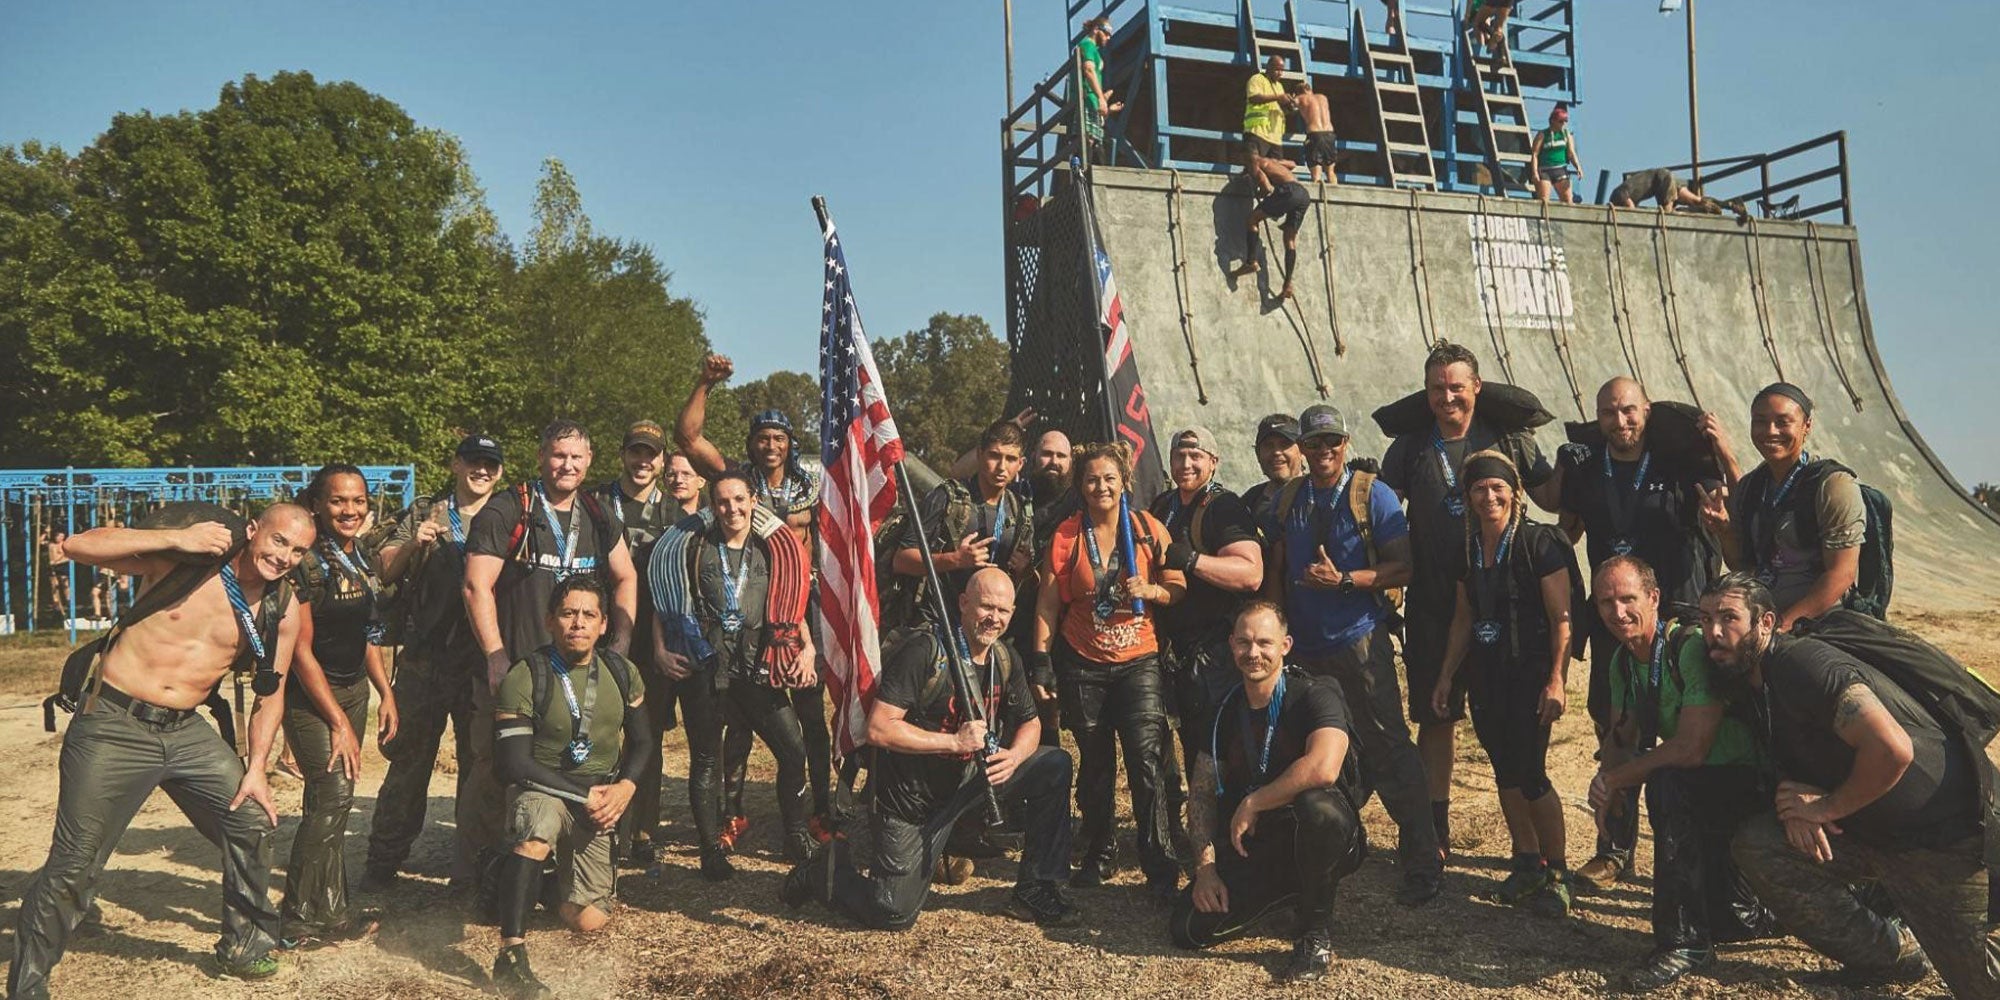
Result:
[[928, 774], [1628, 501], [137, 731]]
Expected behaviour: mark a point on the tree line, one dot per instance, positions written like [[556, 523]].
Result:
[[303, 273]]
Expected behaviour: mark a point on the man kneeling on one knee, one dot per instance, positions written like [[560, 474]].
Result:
[[925, 775], [571, 736], [1271, 803]]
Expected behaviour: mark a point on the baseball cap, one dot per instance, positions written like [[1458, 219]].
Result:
[[771, 420], [1281, 424], [647, 433], [1197, 437], [1322, 419], [479, 447]]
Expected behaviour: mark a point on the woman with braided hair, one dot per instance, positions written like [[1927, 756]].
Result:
[[1512, 632], [326, 704]]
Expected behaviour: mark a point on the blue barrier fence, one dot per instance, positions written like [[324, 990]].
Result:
[[40, 590]]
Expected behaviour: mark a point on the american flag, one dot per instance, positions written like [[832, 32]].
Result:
[[1111, 313], [860, 450]]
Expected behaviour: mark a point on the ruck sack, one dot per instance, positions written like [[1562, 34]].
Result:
[[898, 594], [1673, 434], [1504, 408], [607, 528], [1875, 578], [1959, 700], [80, 672], [1358, 490]]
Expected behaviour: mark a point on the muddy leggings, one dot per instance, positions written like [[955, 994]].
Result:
[[752, 707]]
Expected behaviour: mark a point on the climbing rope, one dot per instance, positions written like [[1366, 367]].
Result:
[[1560, 332], [1420, 273], [1299, 326], [1670, 302], [1759, 297], [1496, 326], [1823, 310], [1177, 237], [1621, 300], [1326, 268]]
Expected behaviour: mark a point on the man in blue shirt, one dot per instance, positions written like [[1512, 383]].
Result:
[[1339, 547]]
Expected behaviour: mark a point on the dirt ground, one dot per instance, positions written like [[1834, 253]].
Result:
[[677, 936]]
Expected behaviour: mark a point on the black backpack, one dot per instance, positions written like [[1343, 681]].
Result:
[[609, 531], [1875, 580], [543, 677], [899, 596]]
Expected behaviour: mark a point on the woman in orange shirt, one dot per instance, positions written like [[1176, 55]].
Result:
[[1105, 666]]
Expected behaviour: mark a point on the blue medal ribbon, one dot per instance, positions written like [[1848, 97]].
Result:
[[566, 556], [1454, 502], [732, 587], [377, 631], [1624, 512], [578, 748], [1104, 607], [246, 621], [1487, 629], [1250, 750], [457, 523], [1770, 512]]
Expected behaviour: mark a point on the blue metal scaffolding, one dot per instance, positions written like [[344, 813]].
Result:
[[38, 504]]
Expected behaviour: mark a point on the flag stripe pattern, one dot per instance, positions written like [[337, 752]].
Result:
[[860, 450]]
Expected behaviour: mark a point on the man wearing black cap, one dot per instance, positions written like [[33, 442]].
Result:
[[1423, 469], [437, 673], [644, 509], [1796, 522], [1213, 540], [1339, 546], [1278, 455]]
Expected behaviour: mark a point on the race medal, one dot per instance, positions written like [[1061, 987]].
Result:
[[1454, 504], [578, 750], [1621, 546], [732, 622], [1487, 631]]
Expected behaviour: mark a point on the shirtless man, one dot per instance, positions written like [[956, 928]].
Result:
[[1667, 192], [138, 731], [1284, 198], [1320, 149]]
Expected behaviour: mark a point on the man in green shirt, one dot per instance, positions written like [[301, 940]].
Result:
[[571, 736], [1674, 733], [1097, 100], [1264, 105]]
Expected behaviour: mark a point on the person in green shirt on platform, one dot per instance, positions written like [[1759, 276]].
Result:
[[1264, 106], [1674, 732], [1097, 100]]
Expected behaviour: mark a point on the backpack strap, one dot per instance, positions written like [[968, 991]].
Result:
[[607, 527], [517, 541], [1358, 493]]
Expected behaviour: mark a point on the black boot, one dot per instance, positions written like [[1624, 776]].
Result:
[[513, 978], [1666, 965], [1312, 958]]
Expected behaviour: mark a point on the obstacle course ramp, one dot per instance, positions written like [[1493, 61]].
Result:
[[1554, 298]]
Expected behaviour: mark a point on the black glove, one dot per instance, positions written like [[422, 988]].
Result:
[[1362, 463], [1573, 455], [1181, 556], [1041, 670]]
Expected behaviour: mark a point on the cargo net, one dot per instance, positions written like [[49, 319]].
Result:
[[1053, 339]]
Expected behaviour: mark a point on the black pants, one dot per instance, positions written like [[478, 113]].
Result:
[[1621, 829], [111, 762], [1200, 672], [809, 708], [1104, 705], [316, 874], [1506, 716], [1699, 898], [429, 694], [765, 710], [1366, 672], [642, 820], [891, 896], [1298, 854]]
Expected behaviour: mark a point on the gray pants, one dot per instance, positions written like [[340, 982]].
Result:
[[316, 874], [1939, 892], [1366, 671], [111, 762], [429, 694]]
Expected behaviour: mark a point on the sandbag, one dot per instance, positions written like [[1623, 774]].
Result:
[[1673, 433], [1502, 407]]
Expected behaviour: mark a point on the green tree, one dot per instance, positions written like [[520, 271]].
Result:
[[945, 383], [593, 332], [277, 279]]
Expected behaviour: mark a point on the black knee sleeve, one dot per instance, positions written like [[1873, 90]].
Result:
[[520, 882]]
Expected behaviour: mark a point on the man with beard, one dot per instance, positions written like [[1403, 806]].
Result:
[[1631, 499], [1677, 731], [1423, 469], [436, 673], [926, 776], [1278, 455], [974, 522], [1796, 522], [1872, 789]]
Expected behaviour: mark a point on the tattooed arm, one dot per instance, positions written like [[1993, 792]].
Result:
[[1209, 894], [1882, 753]]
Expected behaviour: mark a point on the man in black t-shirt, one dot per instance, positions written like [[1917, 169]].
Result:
[[1224, 566], [1271, 809], [1630, 499], [436, 672], [1423, 469], [1872, 789], [1278, 455], [926, 775]]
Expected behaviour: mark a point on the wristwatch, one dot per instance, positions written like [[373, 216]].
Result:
[[1347, 585]]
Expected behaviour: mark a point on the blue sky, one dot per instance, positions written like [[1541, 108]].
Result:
[[702, 129]]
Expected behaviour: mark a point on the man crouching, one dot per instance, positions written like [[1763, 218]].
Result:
[[925, 776], [570, 767], [1272, 788]]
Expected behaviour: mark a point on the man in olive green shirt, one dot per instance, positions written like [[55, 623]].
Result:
[[1264, 106], [1673, 732], [1097, 100], [571, 735]]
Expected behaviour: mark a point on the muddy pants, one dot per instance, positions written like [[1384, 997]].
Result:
[[1298, 854], [428, 695], [1699, 898], [1366, 671], [316, 874], [1939, 891], [111, 762]]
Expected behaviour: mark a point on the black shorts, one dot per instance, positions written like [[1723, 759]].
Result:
[[1506, 716], [1320, 149], [1288, 202], [1254, 146]]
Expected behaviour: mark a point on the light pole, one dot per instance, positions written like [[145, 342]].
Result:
[[1694, 104], [1007, 21]]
